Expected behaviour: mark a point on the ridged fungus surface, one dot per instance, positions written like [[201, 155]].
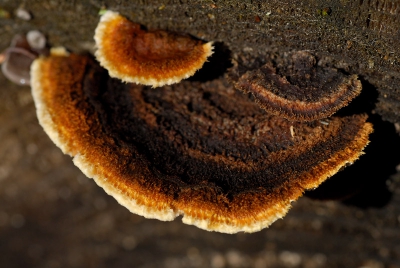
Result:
[[299, 89], [153, 58], [201, 150]]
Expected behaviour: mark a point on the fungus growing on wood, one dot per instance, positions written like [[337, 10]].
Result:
[[36, 40], [300, 90], [153, 58], [17, 61], [201, 150]]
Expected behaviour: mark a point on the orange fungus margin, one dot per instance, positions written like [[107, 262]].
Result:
[[153, 58]]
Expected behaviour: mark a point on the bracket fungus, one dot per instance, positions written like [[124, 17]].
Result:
[[17, 61], [299, 89], [19, 56], [201, 150], [153, 58]]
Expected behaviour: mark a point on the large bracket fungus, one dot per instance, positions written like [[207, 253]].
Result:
[[153, 58], [299, 89], [202, 150]]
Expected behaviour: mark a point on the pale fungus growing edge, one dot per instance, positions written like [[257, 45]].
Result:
[[201, 150]]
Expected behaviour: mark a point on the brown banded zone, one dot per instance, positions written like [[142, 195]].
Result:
[[298, 89], [203, 150]]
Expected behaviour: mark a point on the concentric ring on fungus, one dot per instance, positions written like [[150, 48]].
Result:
[[300, 90], [201, 150], [153, 58]]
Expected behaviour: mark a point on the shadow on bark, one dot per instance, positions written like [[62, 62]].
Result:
[[216, 65], [364, 184]]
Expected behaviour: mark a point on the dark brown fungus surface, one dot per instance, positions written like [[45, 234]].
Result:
[[201, 150], [299, 89], [153, 58]]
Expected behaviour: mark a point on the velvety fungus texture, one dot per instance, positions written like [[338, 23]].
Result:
[[299, 89], [201, 150], [153, 58]]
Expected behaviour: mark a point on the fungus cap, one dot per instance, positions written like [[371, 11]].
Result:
[[201, 150], [17, 61], [300, 90], [153, 58], [36, 40]]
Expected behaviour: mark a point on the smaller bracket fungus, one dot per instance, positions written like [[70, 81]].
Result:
[[18, 60], [299, 89], [154, 58], [201, 150], [36, 40]]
